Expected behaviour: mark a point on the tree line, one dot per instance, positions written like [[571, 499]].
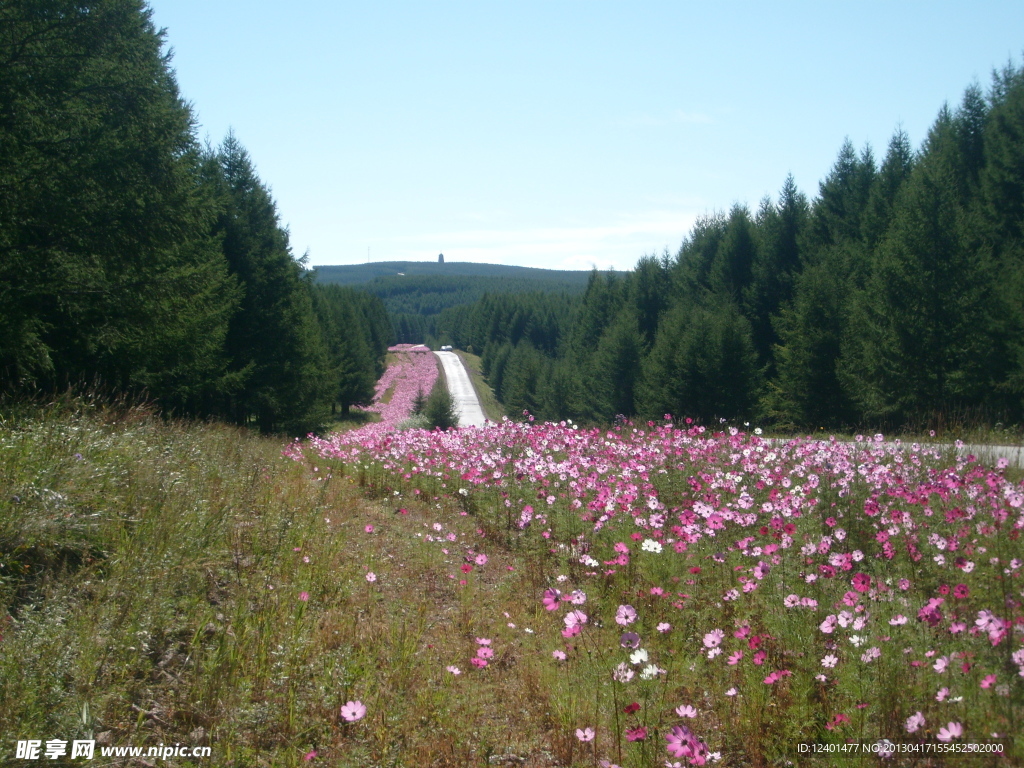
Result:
[[134, 260], [895, 297]]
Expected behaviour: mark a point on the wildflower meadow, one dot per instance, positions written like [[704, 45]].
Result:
[[717, 596], [524, 594]]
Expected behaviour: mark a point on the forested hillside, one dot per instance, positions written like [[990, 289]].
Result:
[[415, 293], [895, 296], [132, 260]]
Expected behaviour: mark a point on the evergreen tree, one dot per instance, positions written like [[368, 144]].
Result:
[[615, 367], [107, 270], [899, 161], [780, 229], [921, 341], [806, 390], [703, 365], [439, 409], [1001, 211], [274, 340]]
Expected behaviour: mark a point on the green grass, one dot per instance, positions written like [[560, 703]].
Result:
[[151, 584]]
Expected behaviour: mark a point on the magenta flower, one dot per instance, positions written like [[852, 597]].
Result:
[[309, 756], [683, 743], [861, 582], [551, 599], [304, 596], [988, 681], [637, 733], [352, 711]]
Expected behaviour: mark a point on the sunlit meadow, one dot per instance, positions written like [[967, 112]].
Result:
[[719, 596], [523, 594]]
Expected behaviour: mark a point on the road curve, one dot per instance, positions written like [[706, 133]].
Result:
[[466, 403]]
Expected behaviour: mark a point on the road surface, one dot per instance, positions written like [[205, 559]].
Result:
[[461, 388]]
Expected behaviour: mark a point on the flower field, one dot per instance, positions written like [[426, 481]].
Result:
[[723, 597]]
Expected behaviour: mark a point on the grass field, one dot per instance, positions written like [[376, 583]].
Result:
[[166, 582]]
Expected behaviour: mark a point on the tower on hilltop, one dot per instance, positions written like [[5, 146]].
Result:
[[440, 258]]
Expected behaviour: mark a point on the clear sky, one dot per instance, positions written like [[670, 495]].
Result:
[[561, 134]]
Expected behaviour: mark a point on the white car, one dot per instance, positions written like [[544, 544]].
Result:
[[446, 348]]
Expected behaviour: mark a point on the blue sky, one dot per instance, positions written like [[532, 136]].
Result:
[[560, 134]]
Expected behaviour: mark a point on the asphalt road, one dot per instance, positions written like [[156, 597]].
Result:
[[466, 403]]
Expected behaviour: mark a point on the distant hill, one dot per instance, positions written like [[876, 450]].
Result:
[[353, 274], [415, 292]]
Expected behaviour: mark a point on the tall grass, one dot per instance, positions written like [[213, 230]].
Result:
[[166, 582]]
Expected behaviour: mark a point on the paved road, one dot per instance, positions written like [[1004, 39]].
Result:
[[466, 403]]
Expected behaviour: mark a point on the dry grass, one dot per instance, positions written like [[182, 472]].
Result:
[[152, 585]]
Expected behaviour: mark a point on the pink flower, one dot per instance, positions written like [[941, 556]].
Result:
[[625, 615], [735, 658], [915, 722], [483, 641], [686, 710], [476, 661], [950, 732], [368, 529], [585, 734], [682, 743], [551, 599], [304, 596], [559, 655], [484, 652], [311, 755], [664, 627], [371, 577], [713, 638], [575, 619], [481, 559], [352, 711], [988, 681], [454, 670]]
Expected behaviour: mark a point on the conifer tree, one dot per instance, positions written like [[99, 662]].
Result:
[[107, 270], [921, 341], [274, 340]]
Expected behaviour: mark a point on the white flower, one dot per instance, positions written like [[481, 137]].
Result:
[[650, 671], [638, 656], [650, 545]]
